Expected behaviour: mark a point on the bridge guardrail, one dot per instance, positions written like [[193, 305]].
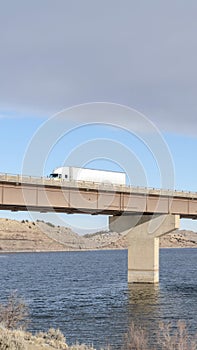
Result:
[[17, 178]]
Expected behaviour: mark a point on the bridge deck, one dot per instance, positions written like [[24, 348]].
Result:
[[44, 194], [21, 179]]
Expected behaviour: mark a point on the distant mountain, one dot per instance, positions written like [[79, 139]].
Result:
[[29, 236]]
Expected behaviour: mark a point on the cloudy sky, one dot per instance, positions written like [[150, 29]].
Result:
[[57, 54], [143, 54]]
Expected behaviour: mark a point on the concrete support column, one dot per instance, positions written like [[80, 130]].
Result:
[[143, 243]]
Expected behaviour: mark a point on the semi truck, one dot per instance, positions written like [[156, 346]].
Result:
[[70, 173]]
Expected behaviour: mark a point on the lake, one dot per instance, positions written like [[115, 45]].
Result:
[[86, 294]]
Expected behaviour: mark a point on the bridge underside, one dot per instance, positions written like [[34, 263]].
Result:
[[47, 209]]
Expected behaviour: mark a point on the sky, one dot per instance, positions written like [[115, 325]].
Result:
[[136, 57]]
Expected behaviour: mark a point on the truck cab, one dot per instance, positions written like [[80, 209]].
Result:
[[60, 174]]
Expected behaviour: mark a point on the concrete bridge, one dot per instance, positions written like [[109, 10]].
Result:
[[141, 213]]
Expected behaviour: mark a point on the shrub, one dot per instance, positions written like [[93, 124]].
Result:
[[135, 339], [14, 314], [168, 338], [175, 339], [54, 338], [50, 224], [80, 347], [11, 340], [52, 333]]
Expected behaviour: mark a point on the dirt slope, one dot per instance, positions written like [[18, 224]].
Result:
[[42, 236]]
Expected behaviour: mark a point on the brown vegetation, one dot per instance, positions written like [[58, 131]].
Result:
[[14, 314], [168, 338]]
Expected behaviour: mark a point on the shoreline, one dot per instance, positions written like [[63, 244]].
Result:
[[79, 250], [58, 251]]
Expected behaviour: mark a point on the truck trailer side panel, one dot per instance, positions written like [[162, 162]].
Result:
[[91, 175], [100, 176]]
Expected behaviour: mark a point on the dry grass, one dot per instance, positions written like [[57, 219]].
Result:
[[135, 339], [168, 338], [176, 339], [80, 347], [53, 338], [11, 340]]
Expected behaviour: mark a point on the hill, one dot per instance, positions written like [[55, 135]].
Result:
[[23, 235]]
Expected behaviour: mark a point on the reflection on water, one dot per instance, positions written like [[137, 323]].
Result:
[[143, 297], [144, 307]]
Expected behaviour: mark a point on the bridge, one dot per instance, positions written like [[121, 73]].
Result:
[[144, 214]]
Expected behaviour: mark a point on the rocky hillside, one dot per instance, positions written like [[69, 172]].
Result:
[[179, 238], [43, 236]]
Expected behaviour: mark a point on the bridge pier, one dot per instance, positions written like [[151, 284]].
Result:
[[143, 232]]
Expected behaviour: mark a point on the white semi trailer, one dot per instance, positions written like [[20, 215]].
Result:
[[69, 173]]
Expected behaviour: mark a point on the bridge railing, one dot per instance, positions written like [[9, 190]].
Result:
[[35, 180]]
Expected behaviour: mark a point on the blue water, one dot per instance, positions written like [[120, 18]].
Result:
[[86, 294]]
